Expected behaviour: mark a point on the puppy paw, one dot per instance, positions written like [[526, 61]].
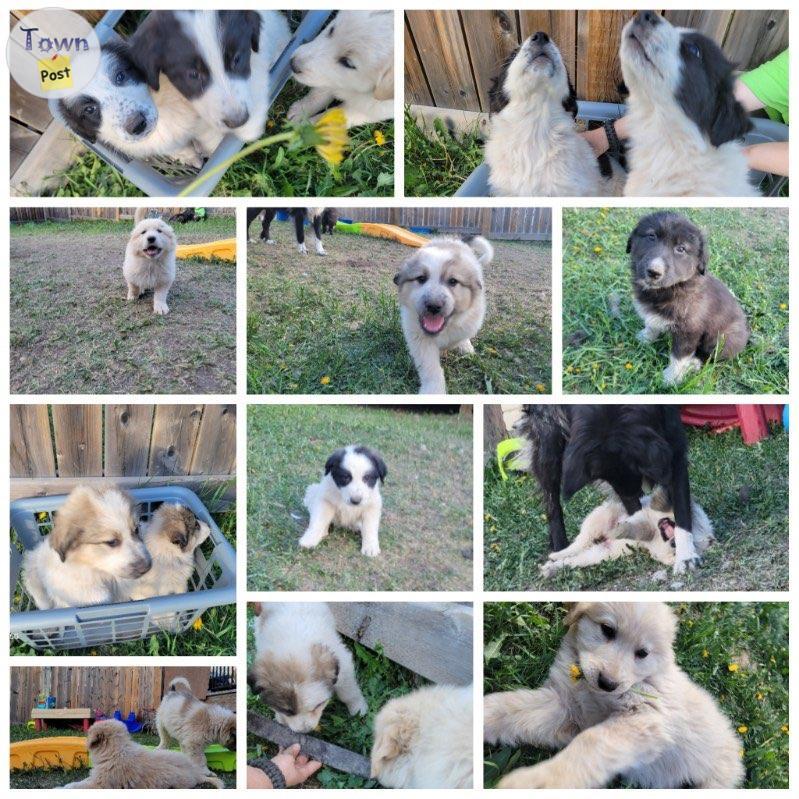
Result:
[[302, 249], [160, 308], [644, 336], [309, 542], [370, 550], [297, 111], [689, 564], [549, 568], [270, 241], [540, 776], [358, 707]]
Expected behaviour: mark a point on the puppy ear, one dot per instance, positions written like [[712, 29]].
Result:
[[253, 19], [574, 471], [377, 462], [325, 664], [730, 121], [574, 612], [179, 537], [569, 102], [397, 730], [497, 97], [334, 460], [703, 255], [147, 54], [402, 276], [65, 537], [629, 243], [96, 738], [482, 249], [384, 88]]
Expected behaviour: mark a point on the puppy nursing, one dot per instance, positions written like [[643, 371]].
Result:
[[442, 303], [301, 663], [616, 704], [150, 261]]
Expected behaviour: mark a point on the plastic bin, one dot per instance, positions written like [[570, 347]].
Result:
[[164, 178], [212, 584], [764, 130]]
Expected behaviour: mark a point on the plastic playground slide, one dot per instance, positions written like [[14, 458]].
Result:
[[379, 230], [224, 249]]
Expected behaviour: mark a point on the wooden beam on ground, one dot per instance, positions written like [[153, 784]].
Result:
[[331, 755], [53, 153]]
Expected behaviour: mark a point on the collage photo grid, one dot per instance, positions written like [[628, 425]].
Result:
[[398, 397]]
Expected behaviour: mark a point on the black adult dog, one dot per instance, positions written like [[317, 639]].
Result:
[[631, 448], [314, 215]]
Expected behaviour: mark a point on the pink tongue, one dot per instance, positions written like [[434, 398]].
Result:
[[432, 324]]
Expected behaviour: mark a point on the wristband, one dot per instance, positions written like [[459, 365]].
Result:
[[271, 769], [614, 145]]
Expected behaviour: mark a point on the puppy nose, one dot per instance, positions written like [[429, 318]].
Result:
[[654, 272], [142, 566], [605, 684], [355, 500], [650, 18], [236, 120], [151, 239], [136, 124], [432, 307], [294, 64], [540, 37]]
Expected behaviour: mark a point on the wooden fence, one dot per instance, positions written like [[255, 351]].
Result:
[[520, 224], [103, 689], [55, 447], [112, 214], [451, 57]]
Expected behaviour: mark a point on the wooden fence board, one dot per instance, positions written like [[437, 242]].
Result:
[[174, 435], [78, 440], [712, 23], [598, 71], [31, 444], [756, 36], [415, 80], [127, 439], [215, 450], [560, 26]]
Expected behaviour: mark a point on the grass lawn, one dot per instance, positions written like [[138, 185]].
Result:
[[743, 489], [521, 641], [214, 635], [437, 164], [380, 680], [601, 355], [332, 325], [74, 332], [56, 777], [426, 527]]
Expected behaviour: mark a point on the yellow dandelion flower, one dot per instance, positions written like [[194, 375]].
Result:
[[380, 139], [741, 753], [598, 250], [198, 623], [493, 528], [325, 381], [569, 369], [733, 667], [743, 729], [705, 653], [332, 127], [759, 696], [487, 517], [784, 728], [575, 672], [540, 388], [495, 547], [42, 516], [628, 365], [783, 306]]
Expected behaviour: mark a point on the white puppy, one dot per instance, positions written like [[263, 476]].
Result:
[[442, 303], [424, 739], [150, 260], [352, 61], [348, 496], [301, 662], [92, 552], [617, 704]]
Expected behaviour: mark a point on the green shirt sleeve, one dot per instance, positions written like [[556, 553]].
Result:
[[769, 83]]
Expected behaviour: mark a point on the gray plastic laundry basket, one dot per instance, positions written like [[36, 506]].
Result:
[[764, 130], [212, 584], [164, 178]]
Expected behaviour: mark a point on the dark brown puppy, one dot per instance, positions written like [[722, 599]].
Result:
[[674, 294]]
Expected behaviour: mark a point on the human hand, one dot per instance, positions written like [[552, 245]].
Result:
[[295, 766]]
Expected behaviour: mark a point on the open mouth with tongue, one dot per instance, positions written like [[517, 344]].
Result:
[[152, 251], [432, 323]]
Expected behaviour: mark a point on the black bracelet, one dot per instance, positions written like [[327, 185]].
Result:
[[271, 769], [614, 145]]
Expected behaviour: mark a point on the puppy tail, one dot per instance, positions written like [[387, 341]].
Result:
[[138, 215], [482, 249]]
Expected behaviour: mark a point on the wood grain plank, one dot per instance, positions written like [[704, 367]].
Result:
[[416, 88], [174, 434], [598, 69], [78, 440], [712, 23], [215, 450], [560, 26], [21, 141], [51, 154], [31, 442], [756, 36], [127, 439]]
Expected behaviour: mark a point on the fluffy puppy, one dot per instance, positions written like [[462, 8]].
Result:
[[674, 294], [442, 303], [617, 704], [94, 548], [217, 60], [347, 496], [194, 724], [352, 61], [119, 762], [150, 261], [608, 533], [424, 739], [534, 149], [301, 662], [685, 125], [329, 220]]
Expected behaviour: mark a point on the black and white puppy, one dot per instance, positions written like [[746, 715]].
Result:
[[300, 216], [534, 149], [675, 294], [116, 108], [218, 60], [347, 496], [329, 220], [685, 125], [628, 448]]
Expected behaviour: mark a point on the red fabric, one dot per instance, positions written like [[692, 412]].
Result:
[[753, 420]]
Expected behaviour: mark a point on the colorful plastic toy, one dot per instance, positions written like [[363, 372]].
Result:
[[381, 231], [64, 751], [130, 722], [224, 249]]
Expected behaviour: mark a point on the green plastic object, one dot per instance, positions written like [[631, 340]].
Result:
[[505, 450], [349, 227], [217, 757]]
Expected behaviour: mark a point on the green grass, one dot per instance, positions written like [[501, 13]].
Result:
[[437, 163], [380, 680], [56, 777], [425, 530], [743, 489], [212, 228], [332, 325], [601, 355], [521, 641]]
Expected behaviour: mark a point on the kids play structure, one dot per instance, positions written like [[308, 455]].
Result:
[[381, 231], [224, 249]]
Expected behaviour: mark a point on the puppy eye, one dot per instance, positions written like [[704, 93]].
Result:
[[608, 631], [652, 236], [421, 280], [345, 62], [452, 282], [112, 543], [119, 78], [680, 248], [641, 653], [320, 704], [193, 74], [694, 50], [89, 110]]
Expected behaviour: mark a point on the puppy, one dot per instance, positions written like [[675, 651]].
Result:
[[217, 60], [347, 496], [300, 215], [608, 533], [194, 724], [424, 739], [685, 125], [674, 294], [300, 663], [617, 704], [119, 762], [329, 220], [351, 61], [442, 303], [150, 261], [117, 109], [93, 549], [171, 537], [534, 149]]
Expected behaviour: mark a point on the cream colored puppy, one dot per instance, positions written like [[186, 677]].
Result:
[[194, 724], [119, 762], [617, 704], [150, 261], [424, 739], [442, 303], [352, 61], [301, 662]]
